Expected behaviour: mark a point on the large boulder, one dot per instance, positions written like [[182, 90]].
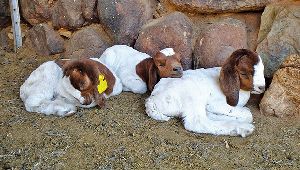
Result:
[[124, 19], [218, 42], [174, 30], [45, 40], [283, 97], [220, 6], [88, 42], [36, 11], [68, 14], [279, 34]]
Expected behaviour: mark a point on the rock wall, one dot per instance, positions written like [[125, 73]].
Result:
[[203, 32]]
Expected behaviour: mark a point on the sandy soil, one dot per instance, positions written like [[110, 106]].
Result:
[[122, 136]]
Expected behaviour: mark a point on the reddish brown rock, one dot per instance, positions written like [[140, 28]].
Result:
[[124, 19], [220, 6], [218, 42], [174, 30], [67, 14], [36, 11], [45, 40], [279, 34], [86, 43], [282, 97]]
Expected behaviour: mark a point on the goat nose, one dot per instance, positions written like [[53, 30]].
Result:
[[262, 88], [177, 69]]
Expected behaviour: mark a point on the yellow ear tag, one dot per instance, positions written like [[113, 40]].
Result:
[[102, 86]]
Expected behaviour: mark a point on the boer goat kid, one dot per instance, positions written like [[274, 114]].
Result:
[[138, 71], [211, 100], [58, 87]]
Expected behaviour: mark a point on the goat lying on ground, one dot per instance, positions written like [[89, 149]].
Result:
[[211, 100], [138, 71], [57, 87]]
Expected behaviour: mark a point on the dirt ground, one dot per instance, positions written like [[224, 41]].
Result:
[[122, 136]]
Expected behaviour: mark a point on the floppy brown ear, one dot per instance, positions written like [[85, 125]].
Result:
[[153, 78], [159, 59], [147, 71], [230, 84]]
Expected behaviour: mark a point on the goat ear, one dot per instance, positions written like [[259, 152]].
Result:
[[147, 71], [159, 59], [230, 84], [153, 78]]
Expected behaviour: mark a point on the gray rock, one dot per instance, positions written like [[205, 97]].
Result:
[[67, 14], [36, 11], [124, 19], [279, 34], [45, 40], [88, 42]]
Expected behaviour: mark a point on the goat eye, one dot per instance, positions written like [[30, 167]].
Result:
[[162, 65]]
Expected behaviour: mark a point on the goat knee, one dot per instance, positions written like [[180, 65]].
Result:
[[153, 112]]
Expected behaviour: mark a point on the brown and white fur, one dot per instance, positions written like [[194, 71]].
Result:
[[58, 87], [211, 100], [138, 71]]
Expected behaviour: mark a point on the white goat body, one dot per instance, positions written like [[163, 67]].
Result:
[[122, 60], [198, 99], [47, 91]]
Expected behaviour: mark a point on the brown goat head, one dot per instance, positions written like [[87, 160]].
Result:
[[160, 66], [168, 66], [84, 74], [237, 73]]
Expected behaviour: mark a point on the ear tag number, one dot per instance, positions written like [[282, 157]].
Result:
[[102, 86]]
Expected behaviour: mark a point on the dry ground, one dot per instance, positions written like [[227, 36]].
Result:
[[123, 137]]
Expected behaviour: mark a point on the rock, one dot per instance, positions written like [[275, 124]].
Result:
[[7, 37], [279, 34], [88, 42], [218, 42], [6, 43], [64, 33], [4, 14], [88, 9], [124, 19], [4, 8], [174, 30], [283, 98], [45, 40], [36, 11], [220, 6], [67, 14]]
